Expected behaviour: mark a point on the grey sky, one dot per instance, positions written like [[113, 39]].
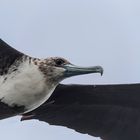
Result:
[[87, 32]]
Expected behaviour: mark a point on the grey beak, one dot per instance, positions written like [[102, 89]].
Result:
[[72, 70]]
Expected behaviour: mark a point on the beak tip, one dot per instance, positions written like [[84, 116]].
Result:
[[101, 71]]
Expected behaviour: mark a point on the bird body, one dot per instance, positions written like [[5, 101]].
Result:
[[26, 86]]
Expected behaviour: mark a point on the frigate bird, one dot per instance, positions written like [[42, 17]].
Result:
[[27, 82], [111, 112]]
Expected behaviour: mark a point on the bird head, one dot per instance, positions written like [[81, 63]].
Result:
[[57, 69]]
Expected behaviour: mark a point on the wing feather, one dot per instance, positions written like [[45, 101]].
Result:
[[109, 111], [8, 56]]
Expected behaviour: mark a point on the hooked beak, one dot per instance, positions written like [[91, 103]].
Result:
[[72, 70]]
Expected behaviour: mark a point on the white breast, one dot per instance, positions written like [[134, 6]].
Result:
[[26, 87]]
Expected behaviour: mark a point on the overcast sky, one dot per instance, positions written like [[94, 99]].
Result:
[[87, 32]]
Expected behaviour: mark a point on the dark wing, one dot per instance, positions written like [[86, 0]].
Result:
[[8, 56], [111, 112]]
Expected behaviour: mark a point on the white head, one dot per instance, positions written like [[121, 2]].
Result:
[[56, 69]]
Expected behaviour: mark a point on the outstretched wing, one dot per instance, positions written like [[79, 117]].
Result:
[[8, 56], [111, 112]]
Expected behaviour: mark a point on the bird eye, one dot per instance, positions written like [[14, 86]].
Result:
[[59, 62]]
